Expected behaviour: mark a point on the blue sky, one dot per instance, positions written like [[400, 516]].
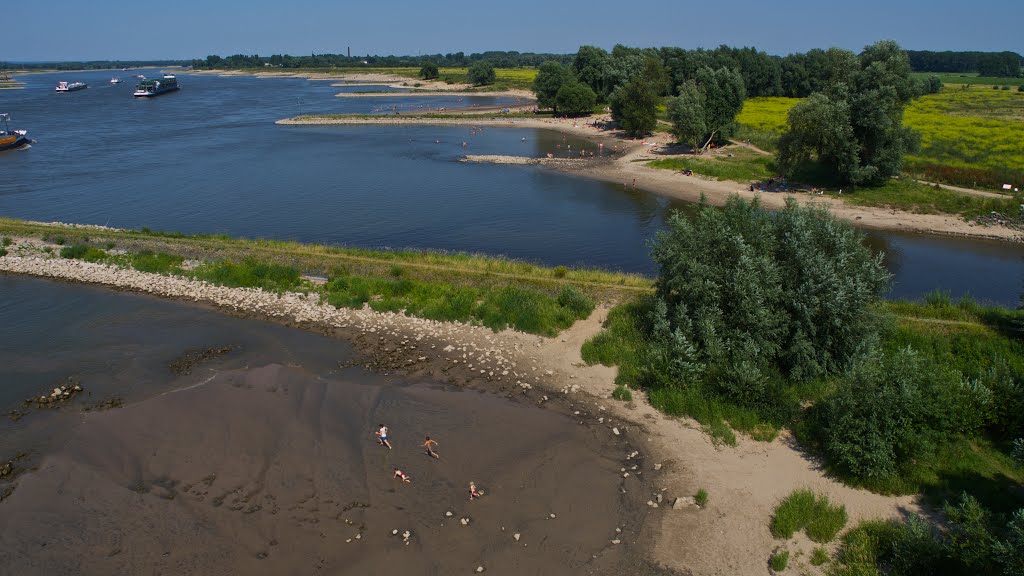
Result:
[[134, 29]]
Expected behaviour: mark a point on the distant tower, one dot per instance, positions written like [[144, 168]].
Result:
[[349, 51]]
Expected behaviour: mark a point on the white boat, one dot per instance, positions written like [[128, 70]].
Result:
[[115, 80], [70, 86]]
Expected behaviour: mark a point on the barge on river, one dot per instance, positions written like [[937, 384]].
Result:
[[70, 86], [156, 86], [11, 139]]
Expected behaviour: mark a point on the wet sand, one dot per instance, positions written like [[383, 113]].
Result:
[[248, 464]]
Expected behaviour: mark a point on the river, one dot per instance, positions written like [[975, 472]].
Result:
[[209, 159]]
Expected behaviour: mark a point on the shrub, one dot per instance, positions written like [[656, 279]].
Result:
[[155, 262], [481, 73], [575, 99], [891, 410], [428, 71], [83, 252], [754, 293], [779, 560], [3, 251], [249, 273], [560, 271], [7, 241], [575, 301], [814, 514], [701, 498], [1018, 451], [622, 393]]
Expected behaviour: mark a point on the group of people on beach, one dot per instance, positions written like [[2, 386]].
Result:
[[429, 446]]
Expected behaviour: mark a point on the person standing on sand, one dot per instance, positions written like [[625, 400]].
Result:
[[429, 444], [473, 494], [382, 436]]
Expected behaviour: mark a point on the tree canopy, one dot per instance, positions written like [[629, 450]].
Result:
[[550, 79], [575, 99], [855, 125], [428, 71], [481, 73], [635, 106]]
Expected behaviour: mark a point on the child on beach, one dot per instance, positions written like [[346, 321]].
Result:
[[473, 493], [429, 444], [402, 475], [382, 436]]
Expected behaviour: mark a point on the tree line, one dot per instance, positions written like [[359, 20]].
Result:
[[90, 64], [984, 63], [497, 59]]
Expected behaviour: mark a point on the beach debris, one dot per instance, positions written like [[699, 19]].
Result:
[[682, 502], [517, 535], [6, 469], [616, 541], [58, 395], [448, 514], [552, 516], [394, 532], [657, 466], [615, 431], [652, 503], [464, 521], [479, 569]]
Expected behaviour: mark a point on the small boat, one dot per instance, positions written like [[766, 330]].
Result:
[[70, 86], [11, 139], [115, 80], [155, 87]]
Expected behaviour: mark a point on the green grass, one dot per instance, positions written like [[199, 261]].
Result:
[[779, 560], [155, 262], [83, 252], [861, 546], [701, 498], [744, 166], [814, 514], [969, 136], [622, 393], [819, 556], [7, 241], [249, 273], [909, 195]]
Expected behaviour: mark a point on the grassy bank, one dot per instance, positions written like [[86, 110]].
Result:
[[492, 292], [742, 165]]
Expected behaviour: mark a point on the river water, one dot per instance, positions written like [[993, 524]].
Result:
[[209, 159]]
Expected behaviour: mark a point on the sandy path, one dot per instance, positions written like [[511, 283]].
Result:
[[629, 169], [730, 536]]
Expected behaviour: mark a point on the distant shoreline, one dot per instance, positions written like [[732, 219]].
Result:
[[628, 168]]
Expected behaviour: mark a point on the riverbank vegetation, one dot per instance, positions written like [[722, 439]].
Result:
[[762, 322], [491, 292]]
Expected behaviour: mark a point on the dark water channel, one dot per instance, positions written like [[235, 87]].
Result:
[[209, 159]]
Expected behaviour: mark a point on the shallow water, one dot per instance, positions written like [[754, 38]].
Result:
[[209, 159]]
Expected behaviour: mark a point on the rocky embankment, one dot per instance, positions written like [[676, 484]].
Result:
[[485, 354]]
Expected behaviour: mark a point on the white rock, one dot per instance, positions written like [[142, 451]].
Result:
[[615, 431], [516, 536]]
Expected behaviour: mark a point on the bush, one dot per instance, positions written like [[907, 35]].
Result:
[[481, 73], [428, 71], [814, 514], [3, 252], [83, 252], [779, 560], [622, 393], [891, 410], [7, 241], [250, 273], [155, 262], [701, 498], [752, 294], [575, 301], [560, 271], [635, 106]]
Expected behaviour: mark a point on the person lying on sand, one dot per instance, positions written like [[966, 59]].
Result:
[[473, 492], [382, 436], [402, 475], [429, 445]]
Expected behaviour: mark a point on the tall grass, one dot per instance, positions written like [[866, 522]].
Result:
[[743, 166], [810, 512], [249, 273]]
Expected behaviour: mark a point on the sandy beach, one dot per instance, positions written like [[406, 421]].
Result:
[[729, 536], [628, 162]]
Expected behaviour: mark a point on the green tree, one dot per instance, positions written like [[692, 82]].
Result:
[[723, 99], [635, 106], [550, 78], [855, 127], [755, 294], [428, 71], [589, 66], [686, 112], [481, 73], [575, 99]]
